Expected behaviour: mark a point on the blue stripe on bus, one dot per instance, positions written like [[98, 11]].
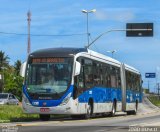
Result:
[[99, 95], [102, 95], [49, 103]]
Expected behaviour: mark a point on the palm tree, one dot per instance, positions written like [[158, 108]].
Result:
[[4, 64], [4, 60], [17, 67]]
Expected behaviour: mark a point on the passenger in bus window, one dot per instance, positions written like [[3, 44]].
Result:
[[41, 78], [51, 79]]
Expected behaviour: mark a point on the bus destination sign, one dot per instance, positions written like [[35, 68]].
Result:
[[47, 60]]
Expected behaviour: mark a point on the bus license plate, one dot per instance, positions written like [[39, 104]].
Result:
[[44, 109]]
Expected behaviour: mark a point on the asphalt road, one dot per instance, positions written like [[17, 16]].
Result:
[[112, 124], [147, 119]]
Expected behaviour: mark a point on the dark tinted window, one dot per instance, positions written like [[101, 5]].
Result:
[[133, 81], [94, 73], [3, 96]]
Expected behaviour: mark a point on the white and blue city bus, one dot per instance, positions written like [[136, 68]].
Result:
[[78, 82]]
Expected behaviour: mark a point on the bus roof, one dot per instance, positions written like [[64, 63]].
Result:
[[127, 67], [104, 57], [57, 52], [68, 52], [132, 69]]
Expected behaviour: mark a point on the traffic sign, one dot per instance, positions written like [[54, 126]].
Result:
[[139, 29], [150, 75]]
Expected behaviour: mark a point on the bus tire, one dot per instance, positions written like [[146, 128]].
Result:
[[113, 112], [136, 108], [44, 117], [133, 112], [89, 111]]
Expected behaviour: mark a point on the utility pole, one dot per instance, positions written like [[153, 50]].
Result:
[[148, 87], [29, 41], [158, 90]]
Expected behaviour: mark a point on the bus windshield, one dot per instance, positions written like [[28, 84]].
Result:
[[48, 76]]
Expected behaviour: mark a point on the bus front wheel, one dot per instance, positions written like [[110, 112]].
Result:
[[89, 111], [113, 112], [44, 117]]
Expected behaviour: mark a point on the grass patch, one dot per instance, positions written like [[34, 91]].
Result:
[[155, 100], [14, 113]]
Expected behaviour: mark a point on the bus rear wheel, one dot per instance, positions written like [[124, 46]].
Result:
[[113, 112], [133, 112], [44, 117]]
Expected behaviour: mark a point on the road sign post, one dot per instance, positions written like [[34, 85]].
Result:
[[150, 75]]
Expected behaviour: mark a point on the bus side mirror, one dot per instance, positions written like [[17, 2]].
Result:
[[77, 68], [23, 69]]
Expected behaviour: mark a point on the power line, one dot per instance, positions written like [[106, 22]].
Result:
[[45, 35]]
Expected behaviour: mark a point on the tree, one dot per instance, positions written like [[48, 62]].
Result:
[[17, 67], [13, 82], [4, 63], [4, 60]]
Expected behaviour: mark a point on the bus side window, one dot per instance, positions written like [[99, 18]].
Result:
[[134, 83], [88, 72], [80, 79], [107, 78], [138, 83], [118, 78], [113, 78], [97, 74], [129, 80]]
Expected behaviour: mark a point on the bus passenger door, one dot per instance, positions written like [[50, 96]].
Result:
[[79, 89]]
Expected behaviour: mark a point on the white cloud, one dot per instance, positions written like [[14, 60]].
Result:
[[120, 14]]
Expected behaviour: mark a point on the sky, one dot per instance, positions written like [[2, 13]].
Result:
[[61, 17]]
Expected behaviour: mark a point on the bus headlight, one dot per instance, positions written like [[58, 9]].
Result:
[[25, 99], [66, 99]]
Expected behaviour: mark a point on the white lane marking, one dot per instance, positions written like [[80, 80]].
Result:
[[117, 128], [146, 124]]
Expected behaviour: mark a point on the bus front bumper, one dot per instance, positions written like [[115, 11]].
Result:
[[69, 108]]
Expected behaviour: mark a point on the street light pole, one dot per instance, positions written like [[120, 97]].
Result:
[[87, 12], [158, 91], [87, 29]]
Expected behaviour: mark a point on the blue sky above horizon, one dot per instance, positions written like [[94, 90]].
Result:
[[65, 17]]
